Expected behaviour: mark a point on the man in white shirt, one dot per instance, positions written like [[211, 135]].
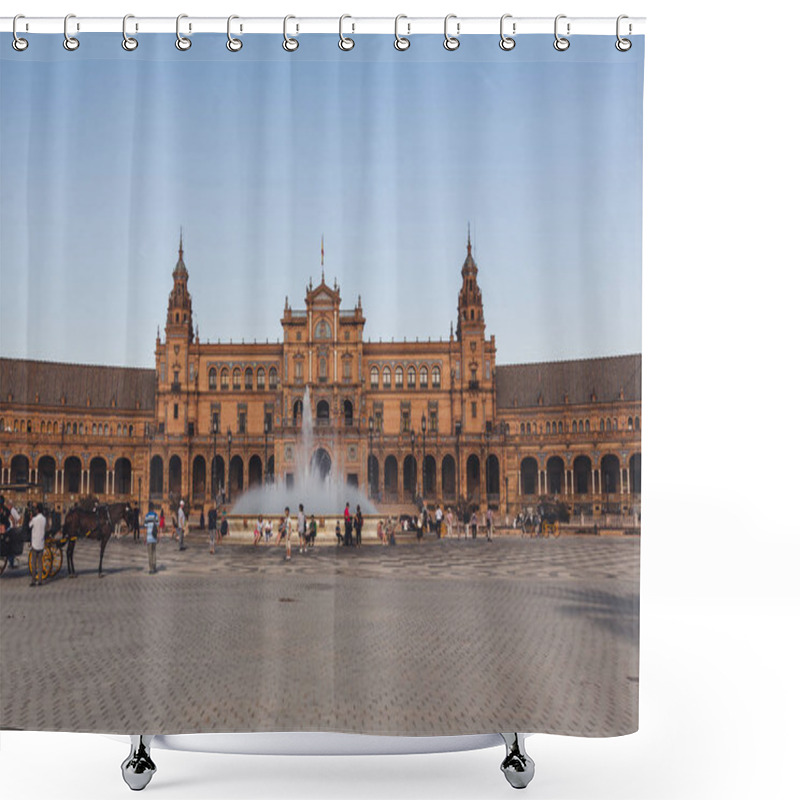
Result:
[[38, 525], [181, 526]]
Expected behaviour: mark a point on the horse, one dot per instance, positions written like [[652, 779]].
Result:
[[82, 524], [119, 513]]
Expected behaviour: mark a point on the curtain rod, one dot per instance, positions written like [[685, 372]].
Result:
[[515, 26]]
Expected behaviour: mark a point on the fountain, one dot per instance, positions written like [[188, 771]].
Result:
[[316, 483]]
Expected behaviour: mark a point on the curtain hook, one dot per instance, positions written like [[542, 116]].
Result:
[[345, 43], [623, 45], [507, 42], [561, 43], [289, 44], [233, 44], [128, 42], [70, 42], [451, 42], [181, 42], [18, 43], [401, 42]]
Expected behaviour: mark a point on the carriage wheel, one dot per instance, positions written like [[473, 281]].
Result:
[[58, 557], [47, 562]]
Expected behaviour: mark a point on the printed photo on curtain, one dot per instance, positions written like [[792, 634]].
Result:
[[327, 360]]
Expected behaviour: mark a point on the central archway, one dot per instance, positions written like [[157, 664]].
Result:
[[321, 463]]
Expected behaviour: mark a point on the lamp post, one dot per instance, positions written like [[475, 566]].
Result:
[[214, 429], [458, 462], [414, 461], [369, 460], [267, 427], [424, 427], [228, 493]]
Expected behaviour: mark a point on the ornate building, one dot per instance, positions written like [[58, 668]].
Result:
[[435, 419]]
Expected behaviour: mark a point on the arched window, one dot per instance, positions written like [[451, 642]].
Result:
[[387, 378], [323, 368], [260, 379], [373, 378], [80, 429], [586, 426], [436, 377], [580, 427], [94, 429], [398, 377], [223, 380], [636, 424], [322, 330], [630, 423], [237, 379], [412, 377], [522, 427], [529, 427], [212, 379], [423, 377], [248, 379], [105, 430], [273, 378], [574, 426], [560, 427]]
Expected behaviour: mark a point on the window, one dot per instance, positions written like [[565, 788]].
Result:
[[602, 425], [212, 379], [174, 411], [223, 380], [387, 378], [575, 426], [436, 377], [298, 370], [529, 427], [522, 427], [323, 369], [433, 419], [630, 423], [412, 377], [379, 421], [242, 422], [237, 380], [474, 410], [347, 365], [260, 379], [273, 378], [406, 417], [547, 428], [94, 429], [398, 378], [560, 427], [423, 378], [248, 379], [322, 330], [373, 378]]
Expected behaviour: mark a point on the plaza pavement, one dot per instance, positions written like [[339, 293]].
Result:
[[444, 637]]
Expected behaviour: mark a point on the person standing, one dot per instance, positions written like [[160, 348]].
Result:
[[151, 531], [286, 533], [312, 531], [358, 524], [162, 522], [38, 525], [202, 519], [136, 523], [212, 524], [348, 526], [181, 525], [258, 532], [473, 524], [489, 524], [449, 523], [439, 516], [301, 528], [339, 539]]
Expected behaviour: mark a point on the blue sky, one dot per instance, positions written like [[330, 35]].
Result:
[[105, 154]]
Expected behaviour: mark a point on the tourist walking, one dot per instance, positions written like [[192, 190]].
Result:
[[212, 524], [380, 532], [312, 531], [473, 524], [162, 522], [449, 522], [38, 525], [136, 523], [439, 517], [181, 525], [223, 527], [489, 524], [151, 531], [358, 524]]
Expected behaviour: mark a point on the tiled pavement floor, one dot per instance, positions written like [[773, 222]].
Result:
[[445, 637]]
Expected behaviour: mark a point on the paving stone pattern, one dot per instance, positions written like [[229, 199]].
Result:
[[446, 637]]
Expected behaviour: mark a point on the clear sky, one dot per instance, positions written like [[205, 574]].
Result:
[[105, 154]]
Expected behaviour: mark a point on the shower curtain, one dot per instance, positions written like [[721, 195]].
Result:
[[328, 359]]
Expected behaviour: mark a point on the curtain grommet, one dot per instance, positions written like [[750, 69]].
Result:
[[451, 43], [233, 44], [70, 43], [345, 42], [129, 43], [18, 43], [289, 44], [401, 43], [561, 43], [182, 42], [507, 42]]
